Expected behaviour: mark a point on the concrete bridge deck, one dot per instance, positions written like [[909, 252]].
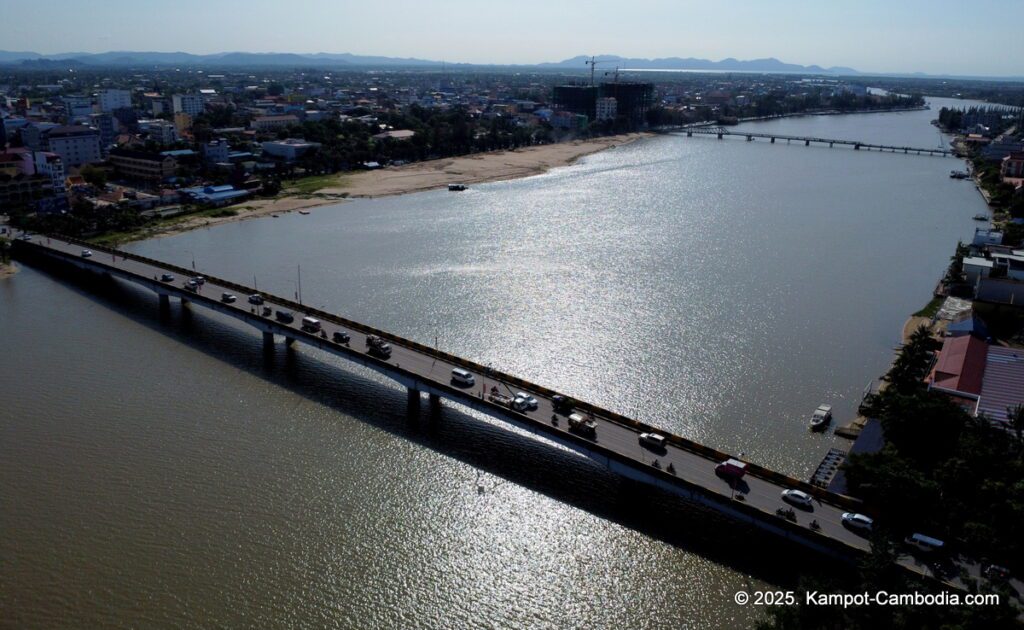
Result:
[[721, 132], [423, 369]]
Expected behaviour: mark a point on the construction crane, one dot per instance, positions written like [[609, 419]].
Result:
[[593, 61], [614, 73]]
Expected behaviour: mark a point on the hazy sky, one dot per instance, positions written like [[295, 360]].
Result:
[[980, 37]]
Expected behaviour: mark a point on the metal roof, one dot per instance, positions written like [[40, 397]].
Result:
[[1003, 385]]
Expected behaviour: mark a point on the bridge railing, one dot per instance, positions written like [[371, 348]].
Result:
[[697, 448]]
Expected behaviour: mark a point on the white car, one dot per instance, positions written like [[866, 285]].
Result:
[[86, 253], [798, 498], [531, 402], [653, 440], [858, 521], [228, 298]]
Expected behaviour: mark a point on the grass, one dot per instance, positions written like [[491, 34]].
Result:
[[313, 183], [112, 239], [931, 308]]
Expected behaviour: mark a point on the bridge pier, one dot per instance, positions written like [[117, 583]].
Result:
[[689, 134], [268, 340], [719, 136], [165, 301], [830, 144], [435, 401], [807, 143], [856, 147], [773, 140], [288, 341], [750, 138], [413, 397]]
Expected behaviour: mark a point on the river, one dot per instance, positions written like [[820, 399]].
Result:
[[158, 471]]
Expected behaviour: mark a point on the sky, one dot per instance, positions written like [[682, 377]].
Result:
[[979, 38]]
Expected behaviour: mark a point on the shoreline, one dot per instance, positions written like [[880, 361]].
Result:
[[478, 168]]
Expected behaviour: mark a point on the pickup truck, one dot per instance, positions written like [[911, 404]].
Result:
[[515, 404], [584, 425]]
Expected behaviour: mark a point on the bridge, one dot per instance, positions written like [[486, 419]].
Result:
[[683, 467], [721, 132]]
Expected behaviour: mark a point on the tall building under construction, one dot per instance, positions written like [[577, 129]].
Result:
[[632, 100]]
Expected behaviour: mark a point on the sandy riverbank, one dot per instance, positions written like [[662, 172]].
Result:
[[430, 175]]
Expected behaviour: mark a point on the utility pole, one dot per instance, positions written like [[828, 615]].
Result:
[[299, 294]]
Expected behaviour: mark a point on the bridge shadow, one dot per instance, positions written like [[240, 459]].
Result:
[[454, 431]]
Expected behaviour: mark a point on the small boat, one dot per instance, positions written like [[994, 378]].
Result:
[[456, 187], [821, 418], [959, 174], [303, 211], [980, 217]]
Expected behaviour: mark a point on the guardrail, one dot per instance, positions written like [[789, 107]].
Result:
[[712, 454]]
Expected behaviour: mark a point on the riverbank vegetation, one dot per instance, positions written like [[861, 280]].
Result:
[[942, 473]]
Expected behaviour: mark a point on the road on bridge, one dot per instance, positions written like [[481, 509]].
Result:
[[612, 436]]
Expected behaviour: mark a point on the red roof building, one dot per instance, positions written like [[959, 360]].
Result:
[[960, 366]]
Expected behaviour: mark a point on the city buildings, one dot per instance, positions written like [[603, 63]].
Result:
[[191, 104], [110, 100], [75, 144], [140, 165], [290, 149], [267, 123]]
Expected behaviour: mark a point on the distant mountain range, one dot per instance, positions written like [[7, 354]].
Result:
[[127, 58], [690, 63]]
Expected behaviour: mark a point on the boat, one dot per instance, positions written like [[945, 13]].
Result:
[[959, 174], [456, 187], [821, 418], [980, 217], [303, 211]]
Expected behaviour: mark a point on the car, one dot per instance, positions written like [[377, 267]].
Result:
[[340, 336], [924, 543], [798, 498], [653, 441], [858, 521], [227, 298], [531, 402], [256, 299], [996, 572], [463, 378], [167, 278], [86, 253], [562, 404], [200, 280]]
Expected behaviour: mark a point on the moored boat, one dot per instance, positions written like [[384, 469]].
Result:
[[821, 418]]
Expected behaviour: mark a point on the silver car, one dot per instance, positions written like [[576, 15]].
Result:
[[798, 498], [858, 521]]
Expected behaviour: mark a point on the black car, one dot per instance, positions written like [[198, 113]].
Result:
[[340, 336], [562, 404], [167, 278]]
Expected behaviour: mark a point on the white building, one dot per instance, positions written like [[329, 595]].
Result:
[[289, 149], [110, 100], [76, 145], [78, 106], [52, 166], [607, 108], [191, 104], [160, 131]]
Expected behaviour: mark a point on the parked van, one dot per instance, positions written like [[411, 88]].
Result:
[[310, 324], [462, 377], [924, 543]]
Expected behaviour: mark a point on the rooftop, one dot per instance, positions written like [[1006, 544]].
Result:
[[960, 365], [1003, 385]]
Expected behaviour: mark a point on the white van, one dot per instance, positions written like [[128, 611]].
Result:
[[462, 377], [310, 324], [924, 543]]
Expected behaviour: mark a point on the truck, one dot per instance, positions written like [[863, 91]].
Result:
[[515, 404], [731, 469], [310, 324], [285, 317], [584, 425], [378, 347]]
